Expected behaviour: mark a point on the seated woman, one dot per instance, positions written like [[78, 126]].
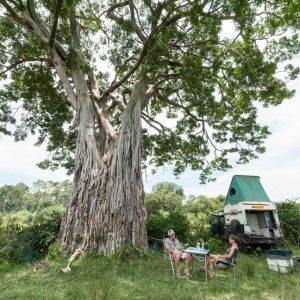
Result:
[[228, 257]]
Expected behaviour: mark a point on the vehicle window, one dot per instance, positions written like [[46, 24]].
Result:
[[268, 219]]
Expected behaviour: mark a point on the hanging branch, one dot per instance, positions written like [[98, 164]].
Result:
[[55, 22], [19, 62]]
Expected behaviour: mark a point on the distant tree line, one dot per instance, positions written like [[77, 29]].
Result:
[[14, 198], [30, 217]]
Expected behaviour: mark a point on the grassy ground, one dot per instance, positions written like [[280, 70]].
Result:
[[144, 278]]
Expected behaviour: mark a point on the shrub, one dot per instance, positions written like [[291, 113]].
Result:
[[128, 253], [289, 216], [159, 224], [216, 245], [54, 251], [156, 226], [32, 242], [178, 221]]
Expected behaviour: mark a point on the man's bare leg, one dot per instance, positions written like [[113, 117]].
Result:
[[176, 256]]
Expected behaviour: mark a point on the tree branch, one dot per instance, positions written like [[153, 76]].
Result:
[[134, 25], [110, 11], [185, 109], [41, 29], [114, 86], [12, 13], [73, 26], [149, 120], [55, 22], [8, 68], [64, 78], [99, 106]]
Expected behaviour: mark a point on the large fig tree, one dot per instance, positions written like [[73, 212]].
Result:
[[85, 75]]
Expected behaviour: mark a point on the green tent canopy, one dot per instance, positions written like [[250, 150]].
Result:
[[245, 188]]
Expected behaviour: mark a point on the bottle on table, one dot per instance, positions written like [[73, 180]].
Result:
[[198, 246]]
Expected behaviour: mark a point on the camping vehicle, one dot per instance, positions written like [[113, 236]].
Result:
[[248, 213]]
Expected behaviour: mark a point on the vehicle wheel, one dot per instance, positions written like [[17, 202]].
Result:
[[233, 226]]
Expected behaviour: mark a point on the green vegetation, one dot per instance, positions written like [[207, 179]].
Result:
[[143, 277], [30, 226], [168, 207], [30, 218], [119, 85], [289, 215]]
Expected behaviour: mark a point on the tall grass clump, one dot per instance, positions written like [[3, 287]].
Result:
[[249, 268]]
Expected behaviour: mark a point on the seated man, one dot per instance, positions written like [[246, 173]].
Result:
[[173, 246]]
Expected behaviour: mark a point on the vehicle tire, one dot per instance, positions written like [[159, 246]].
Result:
[[233, 226]]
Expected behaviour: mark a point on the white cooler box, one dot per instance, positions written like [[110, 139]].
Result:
[[280, 260]]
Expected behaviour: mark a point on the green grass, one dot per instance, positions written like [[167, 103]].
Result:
[[144, 278]]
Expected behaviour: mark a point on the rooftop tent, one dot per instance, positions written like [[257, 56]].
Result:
[[246, 189]]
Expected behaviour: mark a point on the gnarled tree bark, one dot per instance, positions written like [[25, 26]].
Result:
[[107, 207]]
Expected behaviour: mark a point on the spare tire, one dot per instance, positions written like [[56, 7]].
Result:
[[233, 226]]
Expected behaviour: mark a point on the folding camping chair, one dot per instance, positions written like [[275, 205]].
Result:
[[231, 264], [169, 256]]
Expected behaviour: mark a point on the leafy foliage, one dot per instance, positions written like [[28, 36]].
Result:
[[25, 244], [206, 79], [199, 209], [15, 198], [188, 218], [289, 216], [31, 219]]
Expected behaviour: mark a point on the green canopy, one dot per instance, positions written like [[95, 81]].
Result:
[[245, 188]]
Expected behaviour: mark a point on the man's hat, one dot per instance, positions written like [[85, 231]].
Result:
[[171, 232]]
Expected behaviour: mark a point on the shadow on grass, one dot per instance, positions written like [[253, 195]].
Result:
[[144, 277]]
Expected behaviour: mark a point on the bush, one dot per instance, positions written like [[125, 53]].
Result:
[[159, 224], [6, 254], [217, 245], [128, 253], [29, 243], [54, 251], [156, 226], [179, 223], [289, 216]]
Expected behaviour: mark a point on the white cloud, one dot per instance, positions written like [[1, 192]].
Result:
[[18, 162]]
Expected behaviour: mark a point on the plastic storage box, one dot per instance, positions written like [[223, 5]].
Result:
[[280, 260]]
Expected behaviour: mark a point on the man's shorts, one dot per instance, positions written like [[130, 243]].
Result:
[[184, 256]]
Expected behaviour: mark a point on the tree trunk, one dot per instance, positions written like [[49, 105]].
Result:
[[106, 210]]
